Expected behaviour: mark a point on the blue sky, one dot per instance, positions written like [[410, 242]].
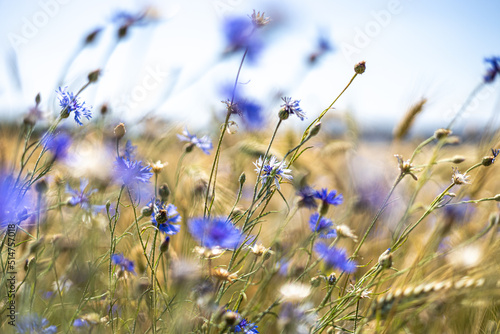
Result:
[[412, 49]]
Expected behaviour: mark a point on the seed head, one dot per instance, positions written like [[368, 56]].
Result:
[[120, 131], [224, 275], [442, 133], [458, 178], [360, 67], [259, 20]]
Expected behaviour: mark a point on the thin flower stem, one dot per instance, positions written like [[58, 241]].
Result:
[[466, 103], [213, 172]]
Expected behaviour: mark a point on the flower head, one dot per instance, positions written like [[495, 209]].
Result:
[[57, 144], [32, 323], [272, 169], [406, 167], [493, 71], [15, 202], [130, 171], [323, 226], [335, 257], [249, 110], [215, 232], [291, 107], [70, 104], [330, 198], [124, 263], [165, 217], [240, 33], [296, 318], [259, 20], [79, 196], [204, 143], [458, 178], [307, 198]]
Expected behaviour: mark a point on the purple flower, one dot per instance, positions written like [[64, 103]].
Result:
[[335, 257], [250, 111], [493, 71], [330, 198], [57, 144], [307, 200], [165, 217], [272, 169], [34, 324], [215, 232], [130, 171], [82, 198], [324, 227], [245, 326], [241, 34], [70, 104], [204, 143], [124, 263], [292, 107], [15, 203]]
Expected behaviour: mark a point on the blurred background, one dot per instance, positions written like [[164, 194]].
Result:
[[173, 62]]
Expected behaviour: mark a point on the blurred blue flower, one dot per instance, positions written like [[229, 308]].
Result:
[[493, 71], [292, 107], [330, 198], [250, 111], [324, 227], [57, 144], [204, 143], [323, 45], [165, 217], [130, 171], [495, 153], [80, 323], [272, 169], [296, 318], [215, 232], [15, 203], [245, 326], [307, 200], [33, 324], [70, 104], [335, 257], [241, 34], [124, 263], [82, 198]]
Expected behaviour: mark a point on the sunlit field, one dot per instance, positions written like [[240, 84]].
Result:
[[293, 221]]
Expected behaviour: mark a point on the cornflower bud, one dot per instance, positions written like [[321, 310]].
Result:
[[164, 192], [120, 131]]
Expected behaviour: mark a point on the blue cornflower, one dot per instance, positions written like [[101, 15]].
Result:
[[204, 143], [495, 154], [245, 326], [82, 198], [250, 111], [307, 198], [70, 103], [330, 198], [492, 72], [57, 144], [165, 217], [272, 169], [15, 203], [240, 33], [335, 257], [31, 324], [324, 227], [291, 107], [80, 323], [130, 171], [218, 232], [124, 263]]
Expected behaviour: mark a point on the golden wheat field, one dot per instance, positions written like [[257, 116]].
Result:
[[266, 219]]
